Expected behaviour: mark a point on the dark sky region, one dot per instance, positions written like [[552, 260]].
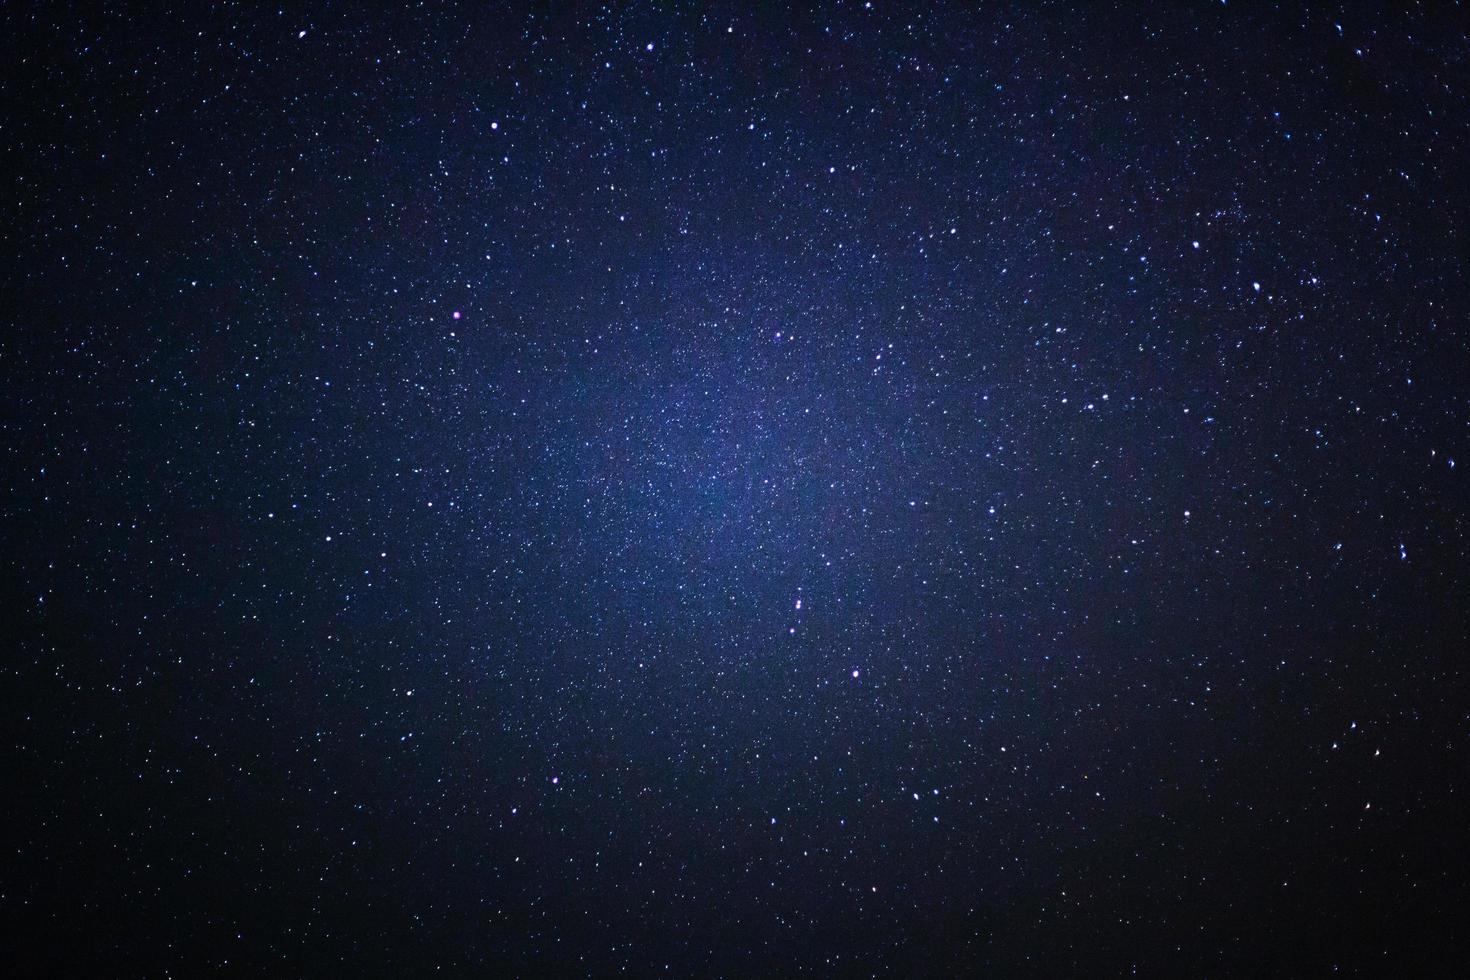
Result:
[[735, 490]]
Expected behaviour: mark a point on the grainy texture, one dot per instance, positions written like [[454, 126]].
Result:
[[731, 490]]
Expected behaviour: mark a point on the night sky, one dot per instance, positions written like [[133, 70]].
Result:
[[729, 490]]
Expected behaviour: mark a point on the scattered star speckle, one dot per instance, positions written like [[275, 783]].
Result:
[[714, 489]]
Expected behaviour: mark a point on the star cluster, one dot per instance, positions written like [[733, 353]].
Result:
[[708, 489]]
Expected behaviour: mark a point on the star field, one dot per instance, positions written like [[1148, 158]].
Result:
[[726, 490]]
